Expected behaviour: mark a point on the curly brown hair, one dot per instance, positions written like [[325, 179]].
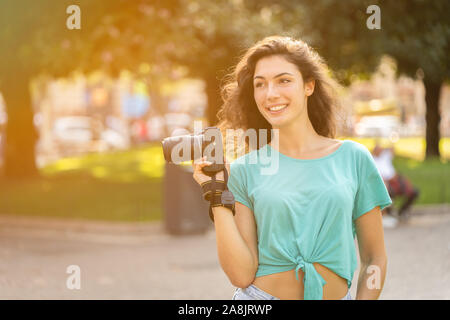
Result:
[[239, 110]]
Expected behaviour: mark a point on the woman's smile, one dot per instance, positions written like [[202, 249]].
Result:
[[277, 108]]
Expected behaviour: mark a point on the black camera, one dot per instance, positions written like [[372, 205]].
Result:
[[208, 143]]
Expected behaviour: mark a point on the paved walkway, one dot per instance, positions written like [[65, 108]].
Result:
[[141, 261]]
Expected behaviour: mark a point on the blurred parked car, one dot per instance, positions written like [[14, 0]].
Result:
[[74, 131], [76, 134], [378, 126], [114, 140]]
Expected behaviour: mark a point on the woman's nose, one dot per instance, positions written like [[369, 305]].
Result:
[[272, 92]]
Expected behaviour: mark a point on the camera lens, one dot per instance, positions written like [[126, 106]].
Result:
[[182, 148]]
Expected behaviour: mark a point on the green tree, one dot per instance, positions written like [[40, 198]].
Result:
[[417, 34], [34, 39]]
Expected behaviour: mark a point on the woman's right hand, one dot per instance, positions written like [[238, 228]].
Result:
[[200, 176]]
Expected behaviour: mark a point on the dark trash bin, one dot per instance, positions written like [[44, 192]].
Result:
[[185, 211]]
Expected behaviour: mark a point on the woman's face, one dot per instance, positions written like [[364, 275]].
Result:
[[279, 91]]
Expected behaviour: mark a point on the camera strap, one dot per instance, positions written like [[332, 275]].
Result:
[[222, 196], [214, 186]]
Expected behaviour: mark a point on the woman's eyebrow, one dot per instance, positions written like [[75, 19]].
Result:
[[278, 75]]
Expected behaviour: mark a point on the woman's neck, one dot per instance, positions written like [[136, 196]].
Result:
[[296, 138]]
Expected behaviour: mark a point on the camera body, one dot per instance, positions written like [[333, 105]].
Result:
[[208, 143]]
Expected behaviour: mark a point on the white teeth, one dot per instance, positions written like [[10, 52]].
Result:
[[278, 107]]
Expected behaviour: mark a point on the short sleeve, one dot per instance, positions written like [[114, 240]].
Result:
[[371, 191], [237, 184]]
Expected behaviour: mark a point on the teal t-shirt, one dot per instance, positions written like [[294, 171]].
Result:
[[305, 209]]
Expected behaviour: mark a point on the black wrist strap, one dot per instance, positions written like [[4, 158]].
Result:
[[207, 188], [220, 196]]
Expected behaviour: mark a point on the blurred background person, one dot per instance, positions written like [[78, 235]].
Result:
[[398, 185]]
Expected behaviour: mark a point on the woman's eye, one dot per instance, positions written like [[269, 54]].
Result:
[[258, 85], [285, 81]]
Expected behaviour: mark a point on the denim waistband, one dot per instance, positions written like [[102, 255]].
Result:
[[254, 293]]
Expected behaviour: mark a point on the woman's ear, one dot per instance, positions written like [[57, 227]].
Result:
[[309, 87]]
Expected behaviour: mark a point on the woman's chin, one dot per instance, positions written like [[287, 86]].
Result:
[[277, 123]]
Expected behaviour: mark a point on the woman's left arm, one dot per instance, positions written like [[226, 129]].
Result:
[[372, 252]]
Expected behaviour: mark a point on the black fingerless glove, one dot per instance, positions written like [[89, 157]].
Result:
[[217, 193]]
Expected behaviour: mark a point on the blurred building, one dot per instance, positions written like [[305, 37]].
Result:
[[396, 104], [70, 115], [96, 113]]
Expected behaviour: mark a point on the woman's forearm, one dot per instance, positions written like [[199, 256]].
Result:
[[371, 279], [235, 257]]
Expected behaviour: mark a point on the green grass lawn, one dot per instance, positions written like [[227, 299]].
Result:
[[431, 177], [118, 186], [127, 185]]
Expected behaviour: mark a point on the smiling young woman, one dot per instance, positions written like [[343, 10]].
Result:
[[292, 236]]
